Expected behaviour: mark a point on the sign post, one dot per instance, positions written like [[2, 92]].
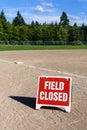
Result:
[[55, 92]]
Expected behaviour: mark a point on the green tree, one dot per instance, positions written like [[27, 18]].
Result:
[[85, 34], [73, 34], [37, 33], [82, 32], [3, 27], [3, 21], [64, 21], [14, 35], [22, 32], [2, 16], [62, 34], [51, 34], [18, 20], [46, 33]]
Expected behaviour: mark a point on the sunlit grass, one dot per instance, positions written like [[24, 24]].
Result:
[[38, 47]]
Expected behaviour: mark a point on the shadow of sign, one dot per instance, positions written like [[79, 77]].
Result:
[[53, 108], [28, 101], [31, 102]]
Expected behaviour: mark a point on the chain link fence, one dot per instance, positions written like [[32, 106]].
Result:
[[27, 42]]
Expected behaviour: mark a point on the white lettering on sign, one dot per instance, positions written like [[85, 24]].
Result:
[[54, 85], [55, 96], [54, 91]]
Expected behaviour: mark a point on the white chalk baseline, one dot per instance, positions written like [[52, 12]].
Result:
[[44, 69]]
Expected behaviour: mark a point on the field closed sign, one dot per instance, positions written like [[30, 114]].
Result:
[[54, 91]]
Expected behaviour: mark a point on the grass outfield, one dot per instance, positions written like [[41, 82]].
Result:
[[37, 47]]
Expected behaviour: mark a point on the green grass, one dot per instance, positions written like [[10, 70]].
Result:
[[37, 47]]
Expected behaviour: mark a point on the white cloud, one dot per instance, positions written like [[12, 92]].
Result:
[[77, 19], [42, 19], [42, 9], [39, 8], [73, 18]]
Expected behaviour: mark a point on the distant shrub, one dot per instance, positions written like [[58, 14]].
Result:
[[78, 42]]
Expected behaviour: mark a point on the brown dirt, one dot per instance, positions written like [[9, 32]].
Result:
[[18, 89]]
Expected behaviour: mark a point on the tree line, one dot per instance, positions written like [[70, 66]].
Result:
[[62, 33]]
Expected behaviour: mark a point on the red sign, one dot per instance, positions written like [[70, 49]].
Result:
[[54, 91]]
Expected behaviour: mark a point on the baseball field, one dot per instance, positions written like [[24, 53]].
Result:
[[19, 72]]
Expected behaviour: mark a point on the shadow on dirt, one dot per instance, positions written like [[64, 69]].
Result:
[[28, 101], [31, 102]]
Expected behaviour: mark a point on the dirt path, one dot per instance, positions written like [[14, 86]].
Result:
[[18, 89]]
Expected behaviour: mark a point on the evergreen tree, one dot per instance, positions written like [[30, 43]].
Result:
[[18, 20], [64, 19], [73, 34], [2, 16], [47, 34]]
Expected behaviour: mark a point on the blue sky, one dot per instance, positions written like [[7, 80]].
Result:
[[46, 10]]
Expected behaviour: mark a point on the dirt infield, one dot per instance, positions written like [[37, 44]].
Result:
[[18, 89]]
